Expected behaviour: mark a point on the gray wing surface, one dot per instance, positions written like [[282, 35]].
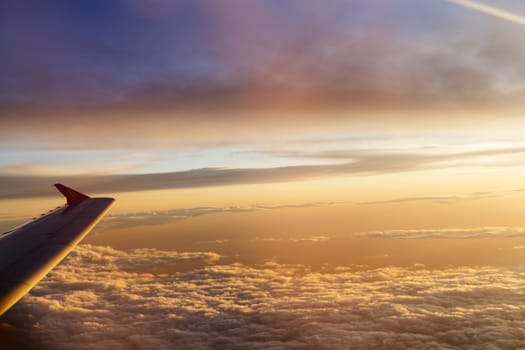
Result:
[[30, 251]]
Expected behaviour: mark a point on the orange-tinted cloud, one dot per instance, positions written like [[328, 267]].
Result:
[[102, 297]]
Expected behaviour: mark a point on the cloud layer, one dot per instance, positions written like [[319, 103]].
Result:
[[303, 53], [182, 73], [168, 216], [479, 232], [97, 299], [357, 162]]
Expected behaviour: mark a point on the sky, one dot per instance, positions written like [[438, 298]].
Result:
[[361, 160]]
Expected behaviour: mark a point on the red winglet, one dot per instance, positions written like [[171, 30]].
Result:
[[73, 197]]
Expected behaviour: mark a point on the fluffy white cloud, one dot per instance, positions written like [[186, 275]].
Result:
[[102, 298]]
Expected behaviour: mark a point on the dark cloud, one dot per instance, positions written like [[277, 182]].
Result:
[[91, 59], [358, 163], [94, 301]]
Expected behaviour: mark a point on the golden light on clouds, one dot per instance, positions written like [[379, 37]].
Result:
[[287, 173]]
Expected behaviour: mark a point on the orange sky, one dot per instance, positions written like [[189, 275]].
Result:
[[344, 118]]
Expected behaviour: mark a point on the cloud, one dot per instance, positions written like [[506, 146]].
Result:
[[491, 11], [309, 239], [201, 73], [481, 232], [93, 300], [373, 154], [360, 162], [436, 199], [167, 216]]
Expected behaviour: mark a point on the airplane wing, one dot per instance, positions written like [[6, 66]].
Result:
[[30, 251]]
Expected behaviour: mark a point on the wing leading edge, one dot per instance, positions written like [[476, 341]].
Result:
[[29, 252]]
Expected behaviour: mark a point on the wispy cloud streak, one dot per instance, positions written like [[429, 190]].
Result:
[[357, 163], [491, 11], [151, 218], [453, 233]]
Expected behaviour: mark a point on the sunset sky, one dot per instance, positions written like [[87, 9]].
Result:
[[285, 142]]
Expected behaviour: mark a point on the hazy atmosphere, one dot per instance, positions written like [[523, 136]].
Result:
[[340, 174]]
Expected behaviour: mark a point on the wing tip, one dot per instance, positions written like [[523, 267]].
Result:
[[73, 197]]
